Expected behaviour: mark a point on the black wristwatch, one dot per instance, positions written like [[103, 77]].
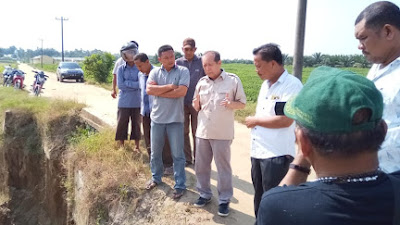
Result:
[[300, 168]]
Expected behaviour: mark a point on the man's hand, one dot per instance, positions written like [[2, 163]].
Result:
[[173, 86], [251, 121], [225, 102], [113, 93], [196, 102]]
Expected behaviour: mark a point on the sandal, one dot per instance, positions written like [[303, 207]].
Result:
[[150, 185], [178, 193]]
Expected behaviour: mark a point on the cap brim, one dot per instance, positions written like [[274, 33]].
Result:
[[289, 109]]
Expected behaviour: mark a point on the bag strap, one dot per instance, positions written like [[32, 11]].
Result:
[[396, 189]]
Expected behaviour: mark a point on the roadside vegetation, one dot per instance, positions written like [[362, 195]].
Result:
[[111, 174], [43, 108]]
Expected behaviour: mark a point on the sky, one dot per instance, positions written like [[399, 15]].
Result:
[[232, 27]]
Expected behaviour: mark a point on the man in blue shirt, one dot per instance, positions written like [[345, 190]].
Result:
[[129, 96], [168, 84], [143, 64]]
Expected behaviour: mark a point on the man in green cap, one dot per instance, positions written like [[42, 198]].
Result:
[[339, 132]]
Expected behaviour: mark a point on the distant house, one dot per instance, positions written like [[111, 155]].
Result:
[[46, 59]]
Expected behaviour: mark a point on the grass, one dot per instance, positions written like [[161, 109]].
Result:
[[41, 107], [252, 83], [46, 67], [111, 173]]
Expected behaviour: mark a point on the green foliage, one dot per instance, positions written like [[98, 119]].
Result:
[[46, 67], [99, 66], [178, 55], [153, 59], [81, 133]]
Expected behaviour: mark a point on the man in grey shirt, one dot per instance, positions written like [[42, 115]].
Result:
[[193, 63], [168, 84]]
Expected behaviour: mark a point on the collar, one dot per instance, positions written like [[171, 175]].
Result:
[[174, 67], [281, 78], [127, 66], [195, 58], [222, 75]]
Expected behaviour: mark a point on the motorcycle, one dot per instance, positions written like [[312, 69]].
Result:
[[18, 79], [8, 77], [40, 78], [7, 70]]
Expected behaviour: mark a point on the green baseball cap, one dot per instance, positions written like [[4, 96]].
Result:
[[331, 97]]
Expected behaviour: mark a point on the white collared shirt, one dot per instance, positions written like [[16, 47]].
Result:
[[387, 80], [269, 142]]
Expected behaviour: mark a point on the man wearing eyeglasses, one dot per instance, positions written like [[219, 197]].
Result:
[[195, 67]]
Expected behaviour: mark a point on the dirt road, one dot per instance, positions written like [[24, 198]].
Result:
[[100, 103]]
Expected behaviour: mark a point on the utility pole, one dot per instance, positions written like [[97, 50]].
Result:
[[62, 37], [299, 42], [41, 58]]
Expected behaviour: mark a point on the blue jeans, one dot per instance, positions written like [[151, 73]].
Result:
[[175, 136]]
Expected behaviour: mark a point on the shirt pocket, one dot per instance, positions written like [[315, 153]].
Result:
[[204, 97]]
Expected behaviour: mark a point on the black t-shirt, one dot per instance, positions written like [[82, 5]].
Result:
[[318, 203]]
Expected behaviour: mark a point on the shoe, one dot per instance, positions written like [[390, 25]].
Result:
[[150, 185], [178, 193], [223, 209], [169, 171], [201, 202]]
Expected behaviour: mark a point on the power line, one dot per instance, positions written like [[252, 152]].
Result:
[[62, 36]]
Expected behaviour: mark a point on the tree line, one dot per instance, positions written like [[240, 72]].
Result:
[[316, 59]]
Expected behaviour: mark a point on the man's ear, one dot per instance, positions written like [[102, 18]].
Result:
[[388, 31], [304, 143]]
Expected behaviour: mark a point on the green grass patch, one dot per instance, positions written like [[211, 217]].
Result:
[[20, 100], [46, 67]]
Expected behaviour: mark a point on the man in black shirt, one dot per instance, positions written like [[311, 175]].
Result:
[[339, 132]]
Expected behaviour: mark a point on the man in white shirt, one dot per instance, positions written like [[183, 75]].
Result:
[[378, 30], [272, 134]]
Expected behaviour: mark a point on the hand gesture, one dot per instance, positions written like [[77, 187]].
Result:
[[225, 102]]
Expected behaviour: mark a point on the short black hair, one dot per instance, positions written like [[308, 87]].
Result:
[[269, 52], [141, 56], [348, 144], [164, 48], [217, 56], [378, 14]]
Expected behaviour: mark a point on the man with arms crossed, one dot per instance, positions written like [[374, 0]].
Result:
[[272, 134], [144, 66], [168, 84], [217, 95]]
